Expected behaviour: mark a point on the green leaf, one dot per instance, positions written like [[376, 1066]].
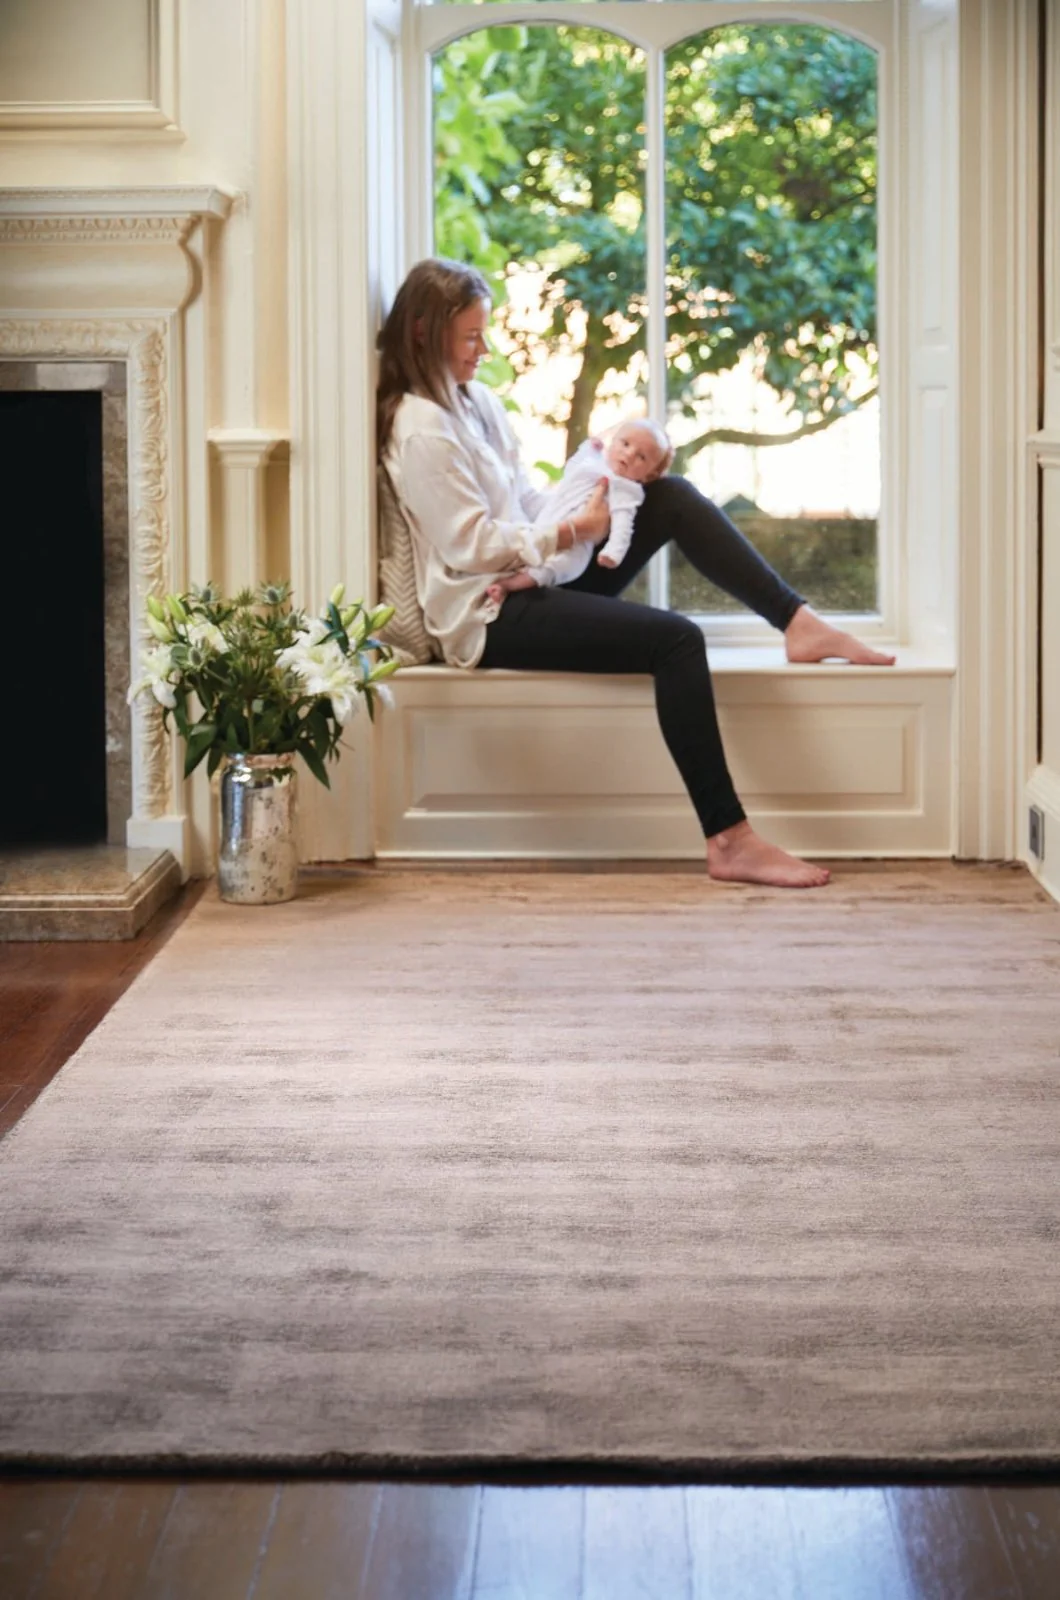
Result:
[[199, 740], [314, 763]]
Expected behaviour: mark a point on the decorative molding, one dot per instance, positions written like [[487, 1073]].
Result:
[[154, 118], [247, 447], [142, 118], [127, 210], [94, 230], [143, 346]]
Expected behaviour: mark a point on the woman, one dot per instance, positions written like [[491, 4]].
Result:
[[454, 465]]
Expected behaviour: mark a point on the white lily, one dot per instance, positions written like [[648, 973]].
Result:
[[324, 670], [160, 676], [208, 636]]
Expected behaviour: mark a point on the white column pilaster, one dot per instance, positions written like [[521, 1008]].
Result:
[[243, 455], [329, 105], [999, 334]]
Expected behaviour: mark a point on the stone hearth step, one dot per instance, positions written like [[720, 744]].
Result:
[[83, 891]]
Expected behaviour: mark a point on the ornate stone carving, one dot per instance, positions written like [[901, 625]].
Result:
[[94, 230], [143, 345], [62, 338]]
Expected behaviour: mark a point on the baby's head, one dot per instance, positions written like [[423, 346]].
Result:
[[640, 450]]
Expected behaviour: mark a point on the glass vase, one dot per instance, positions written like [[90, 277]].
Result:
[[258, 860]]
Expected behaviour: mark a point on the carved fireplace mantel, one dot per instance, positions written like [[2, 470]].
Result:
[[108, 274]]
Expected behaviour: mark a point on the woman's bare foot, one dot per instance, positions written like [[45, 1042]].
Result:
[[740, 855], [809, 638]]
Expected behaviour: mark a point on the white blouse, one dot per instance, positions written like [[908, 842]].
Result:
[[469, 507]]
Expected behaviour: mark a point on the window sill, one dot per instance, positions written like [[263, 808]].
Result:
[[725, 661]]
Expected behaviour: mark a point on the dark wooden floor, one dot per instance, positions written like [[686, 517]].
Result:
[[136, 1539]]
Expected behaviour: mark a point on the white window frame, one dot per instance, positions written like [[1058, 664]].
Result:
[[655, 26]]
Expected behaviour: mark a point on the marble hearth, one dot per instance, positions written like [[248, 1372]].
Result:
[[83, 891]]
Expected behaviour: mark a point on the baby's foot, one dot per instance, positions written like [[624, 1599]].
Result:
[[739, 855], [607, 561], [809, 638]]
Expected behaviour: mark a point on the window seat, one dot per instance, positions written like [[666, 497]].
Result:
[[830, 759]]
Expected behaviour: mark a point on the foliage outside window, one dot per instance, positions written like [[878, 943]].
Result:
[[770, 271]]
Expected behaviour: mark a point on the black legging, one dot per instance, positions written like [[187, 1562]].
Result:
[[583, 627]]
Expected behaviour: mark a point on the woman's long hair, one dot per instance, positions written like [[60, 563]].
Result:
[[413, 358]]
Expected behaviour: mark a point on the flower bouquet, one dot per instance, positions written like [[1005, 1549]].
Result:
[[268, 679], [253, 682]]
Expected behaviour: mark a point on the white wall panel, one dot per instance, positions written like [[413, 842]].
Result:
[[56, 50], [841, 762]]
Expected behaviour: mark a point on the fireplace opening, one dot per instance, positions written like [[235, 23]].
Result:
[[51, 468]]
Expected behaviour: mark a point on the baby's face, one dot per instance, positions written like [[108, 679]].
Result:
[[633, 453]]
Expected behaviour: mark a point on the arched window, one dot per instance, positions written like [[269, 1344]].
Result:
[[681, 220]]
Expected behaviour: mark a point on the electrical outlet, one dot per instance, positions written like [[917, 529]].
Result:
[[1036, 832]]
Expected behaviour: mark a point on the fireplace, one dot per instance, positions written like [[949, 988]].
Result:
[[64, 466], [104, 391]]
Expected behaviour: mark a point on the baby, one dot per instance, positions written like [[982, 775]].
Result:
[[639, 452]]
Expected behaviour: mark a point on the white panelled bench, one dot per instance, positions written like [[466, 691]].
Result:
[[830, 760]]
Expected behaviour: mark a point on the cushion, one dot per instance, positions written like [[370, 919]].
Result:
[[405, 633]]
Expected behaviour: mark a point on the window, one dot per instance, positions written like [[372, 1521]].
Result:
[[682, 221]]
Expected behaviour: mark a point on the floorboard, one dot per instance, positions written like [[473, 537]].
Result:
[[213, 1541], [111, 1539], [424, 1543], [636, 1545], [319, 1542], [108, 1542], [951, 1543], [742, 1544], [530, 1544]]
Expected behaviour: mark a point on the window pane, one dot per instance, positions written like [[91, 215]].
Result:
[[771, 288], [539, 172]]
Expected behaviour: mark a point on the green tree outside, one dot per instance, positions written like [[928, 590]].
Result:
[[771, 209]]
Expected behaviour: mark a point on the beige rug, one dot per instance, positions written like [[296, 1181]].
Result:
[[493, 1170]]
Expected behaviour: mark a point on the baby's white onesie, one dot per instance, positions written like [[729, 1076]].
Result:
[[566, 498]]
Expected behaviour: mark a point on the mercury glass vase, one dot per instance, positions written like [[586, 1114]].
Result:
[[258, 860]]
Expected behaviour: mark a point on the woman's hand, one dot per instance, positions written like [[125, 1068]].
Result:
[[594, 518]]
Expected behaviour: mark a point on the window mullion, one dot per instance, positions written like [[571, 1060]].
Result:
[[655, 243]]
